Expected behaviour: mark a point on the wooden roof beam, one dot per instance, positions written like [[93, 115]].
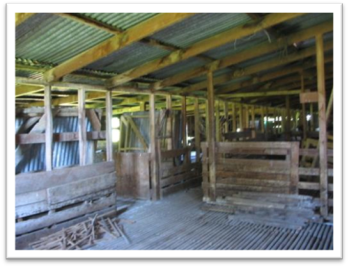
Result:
[[199, 47], [245, 55], [22, 17], [256, 68], [115, 43]]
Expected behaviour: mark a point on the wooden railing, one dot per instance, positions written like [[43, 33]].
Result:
[[177, 172]]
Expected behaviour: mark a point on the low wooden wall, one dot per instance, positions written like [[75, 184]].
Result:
[[309, 175], [133, 175], [46, 198], [252, 167], [177, 172]]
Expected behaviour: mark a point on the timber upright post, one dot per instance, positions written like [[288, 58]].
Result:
[[48, 128], [108, 123], [211, 138], [169, 131], [320, 66], [155, 186], [233, 117], [304, 119], [197, 129], [82, 126]]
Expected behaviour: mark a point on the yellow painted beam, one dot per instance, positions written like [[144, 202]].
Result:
[[200, 47], [115, 43], [22, 90], [21, 17], [254, 69], [265, 94], [246, 55]]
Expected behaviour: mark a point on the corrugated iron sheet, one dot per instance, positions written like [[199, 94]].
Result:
[[122, 21], [54, 39], [128, 58], [179, 67], [64, 153], [199, 27]]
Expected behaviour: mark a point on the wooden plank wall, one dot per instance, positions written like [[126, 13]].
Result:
[[46, 198], [133, 175], [177, 172], [253, 167]]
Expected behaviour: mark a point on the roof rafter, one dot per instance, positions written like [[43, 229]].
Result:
[[115, 43], [199, 47]]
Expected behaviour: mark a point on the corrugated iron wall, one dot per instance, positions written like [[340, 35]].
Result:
[[64, 153]]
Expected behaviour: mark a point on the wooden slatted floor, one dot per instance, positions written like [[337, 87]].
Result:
[[178, 223]]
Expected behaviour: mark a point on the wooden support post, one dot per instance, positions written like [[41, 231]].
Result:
[[262, 120], [226, 117], [197, 129], [253, 124], [207, 121], [240, 118], [169, 122], [294, 176], [184, 121], [311, 117], [247, 120], [304, 115], [233, 114], [266, 124], [142, 106], [108, 123], [217, 120], [82, 127], [155, 185], [329, 106], [48, 129], [288, 118], [211, 138], [320, 66]]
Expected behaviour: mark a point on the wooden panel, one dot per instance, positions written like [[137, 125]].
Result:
[[253, 151], [133, 175], [181, 186], [313, 186], [312, 171], [174, 152], [252, 175], [80, 188], [308, 97], [38, 138], [178, 169], [31, 197], [28, 182], [50, 219], [255, 163], [30, 209], [178, 178], [252, 182], [270, 145]]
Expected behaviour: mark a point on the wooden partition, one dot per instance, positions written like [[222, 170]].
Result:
[[251, 166], [47, 198], [177, 172], [310, 175], [133, 175]]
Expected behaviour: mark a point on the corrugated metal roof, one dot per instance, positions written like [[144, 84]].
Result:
[[199, 27], [64, 153], [303, 22], [122, 21], [179, 67], [128, 58], [56, 39]]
